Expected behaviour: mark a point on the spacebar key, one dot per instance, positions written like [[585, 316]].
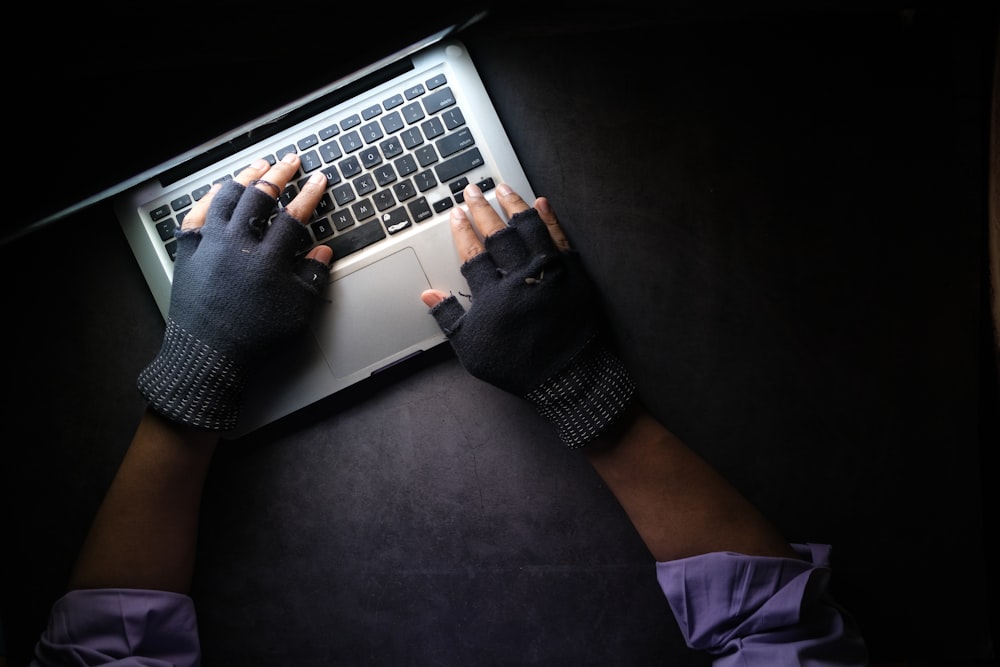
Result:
[[449, 169], [356, 239]]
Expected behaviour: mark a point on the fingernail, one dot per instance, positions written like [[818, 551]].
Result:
[[503, 190], [457, 214], [260, 163], [289, 158], [542, 205], [319, 178], [472, 191]]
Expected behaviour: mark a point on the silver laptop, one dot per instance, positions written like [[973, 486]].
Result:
[[398, 142]]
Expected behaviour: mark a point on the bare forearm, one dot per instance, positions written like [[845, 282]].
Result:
[[145, 532], [678, 503]]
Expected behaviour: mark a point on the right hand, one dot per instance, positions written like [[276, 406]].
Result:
[[532, 308]]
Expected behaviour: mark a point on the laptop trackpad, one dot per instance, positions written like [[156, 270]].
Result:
[[375, 313]]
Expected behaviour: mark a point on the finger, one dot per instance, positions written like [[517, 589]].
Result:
[[195, 219], [467, 241], [510, 201], [304, 204], [272, 179], [548, 216], [321, 253], [433, 297], [485, 217]]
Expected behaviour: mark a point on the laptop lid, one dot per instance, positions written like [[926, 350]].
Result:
[[121, 103]]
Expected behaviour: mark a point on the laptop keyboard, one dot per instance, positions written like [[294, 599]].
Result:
[[383, 167]]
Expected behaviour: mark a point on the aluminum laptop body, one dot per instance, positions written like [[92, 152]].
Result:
[[372, 316]]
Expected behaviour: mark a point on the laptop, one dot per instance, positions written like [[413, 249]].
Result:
[[398, 140]]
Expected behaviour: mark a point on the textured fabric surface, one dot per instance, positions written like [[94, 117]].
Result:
[[751, 610], [585, 397], [238, 288], [534, 328], [120, 627]]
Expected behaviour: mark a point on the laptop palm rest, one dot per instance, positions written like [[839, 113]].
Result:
[[374, 313]]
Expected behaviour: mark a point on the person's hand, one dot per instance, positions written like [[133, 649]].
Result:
[[240, 285], [533, 326]]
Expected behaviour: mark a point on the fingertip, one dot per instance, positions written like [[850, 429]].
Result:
[[432, 297], [543, 207], [321, 253]]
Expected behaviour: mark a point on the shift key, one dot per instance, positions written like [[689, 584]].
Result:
[[459, 164], [356, 239]]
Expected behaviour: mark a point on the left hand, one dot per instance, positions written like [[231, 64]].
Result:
[[239, 287]]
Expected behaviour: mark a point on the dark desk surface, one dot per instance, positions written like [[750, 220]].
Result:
[[794, 260]]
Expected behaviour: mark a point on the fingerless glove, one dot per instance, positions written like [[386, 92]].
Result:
[[533, 329], [238, 288]]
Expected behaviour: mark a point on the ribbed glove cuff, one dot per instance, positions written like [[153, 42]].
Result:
[[191, 383], [586, 396]]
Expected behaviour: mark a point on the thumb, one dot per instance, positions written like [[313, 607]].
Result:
[[432, 297], [447, 311]]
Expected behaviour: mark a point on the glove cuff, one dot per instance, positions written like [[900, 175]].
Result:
[[586, 396], [191, 383]]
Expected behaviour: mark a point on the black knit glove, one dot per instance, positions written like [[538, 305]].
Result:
[[238, 287], [533, 330]]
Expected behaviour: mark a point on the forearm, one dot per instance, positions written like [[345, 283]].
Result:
[[677, 502], [145, 532]]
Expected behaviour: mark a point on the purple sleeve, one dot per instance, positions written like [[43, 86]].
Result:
[[752, 610], [120, 627]]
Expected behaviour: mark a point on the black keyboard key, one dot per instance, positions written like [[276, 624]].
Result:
[[321, 229], [384, 175], [438, 100], [413, 112], [343, 194], [351, 141], [330, 152], [306, 143], [329, 132], [425, 180], [412, 137], [455, 142], [364, 184], [392, 122], [363, 209], [391, 147], [356, 239], [404, 190], [350, 167], [371, 132], [426, 155], [310, 161], [436, 81], [181, 202], [453, 118], [396, 220], [383, 199], [432, 127], [459, 164], [405, 165], [342, 219], [420, 209], [166, 229], [443, 205], [370, 157], [159, 212]]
